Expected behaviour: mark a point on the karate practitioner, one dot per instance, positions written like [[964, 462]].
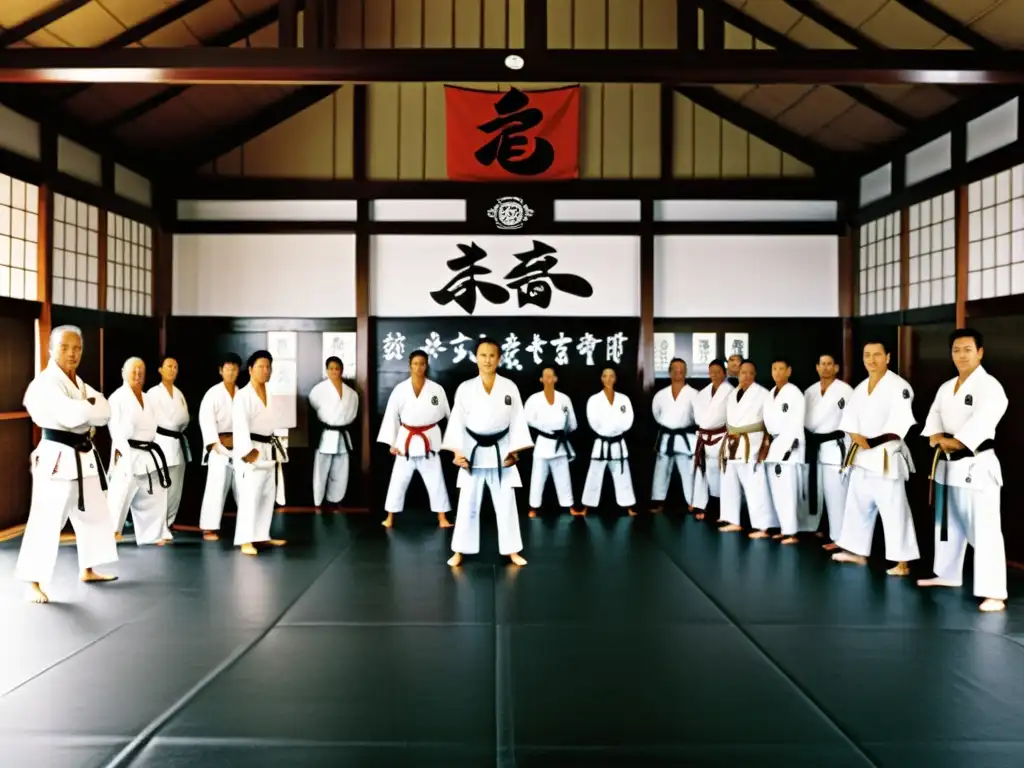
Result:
[[551, 414], [258, 456], [961, 426], [67, 476], [709, 414], [743, 471], [486, 431], [877, 419], [215, 425], [139, 476], [336, 405], [677, 435], [784, 461], [610, 416], [827, 446], [733, 364], [171, 420], [411, 429]]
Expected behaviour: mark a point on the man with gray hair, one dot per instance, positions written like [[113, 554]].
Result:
[[67, 476]]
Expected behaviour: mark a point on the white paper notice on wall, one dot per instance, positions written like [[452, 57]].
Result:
[[664, 351], [705, 347], [283, 384], [504, 275], [340, 344], [737, 344]]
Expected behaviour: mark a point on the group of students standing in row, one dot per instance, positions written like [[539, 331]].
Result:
[[786, 454]]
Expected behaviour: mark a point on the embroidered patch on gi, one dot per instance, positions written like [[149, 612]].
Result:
[[842, 403], [508, 399], [785, 407], [906, 394], [778, 470], [433, 400], [968, 400], [622, 408]]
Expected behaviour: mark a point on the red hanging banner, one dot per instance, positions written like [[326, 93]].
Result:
[[521, 135]]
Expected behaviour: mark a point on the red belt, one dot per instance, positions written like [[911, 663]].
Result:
[[703, 441], [420, 432]]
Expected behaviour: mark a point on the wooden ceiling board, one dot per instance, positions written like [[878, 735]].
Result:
[[968, 11], [13, 12], [896, 27], [174, 35], [810, 34], [132, 12], [837, 140], [212, 18], [819, 107], [924, 101], [853, 13], [86, 27], [44, 38], [1003, 25], [735, 92], [866, 126], [774, 13], [252, 7], [772, 100]]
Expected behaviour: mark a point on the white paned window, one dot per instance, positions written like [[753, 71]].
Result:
[[76, 253], [129, 266], [19, 235], [932, 252], [995, 209], [879, 265]]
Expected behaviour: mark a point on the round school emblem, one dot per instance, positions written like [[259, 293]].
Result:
[[842, 403], [778, 470], [785, 407], [622, 408], [508, 399], [433, 400], [906, 394], [510, 212]]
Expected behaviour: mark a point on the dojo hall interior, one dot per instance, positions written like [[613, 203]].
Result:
[[773, 178]]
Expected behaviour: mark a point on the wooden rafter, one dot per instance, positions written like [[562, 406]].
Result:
[[536, 21], [779, 41], [941, 20], [30, 26]]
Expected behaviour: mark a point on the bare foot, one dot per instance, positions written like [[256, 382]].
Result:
[[830, 547], [389, 521], [160, 543], [210, 536], [698, 515], [532, 513], [518, 559], [455, 560], [118, 537], [89, 575], [168, 536], [442, 520], [730, 528], [631, 512], [989, 605], [657, 510], [249, 549], [578, 513], [277, 542], [790, 540], [689, 507], [900, 569], [848, 557], [937, 582], [36, 594], [758, 535], [778, 536]]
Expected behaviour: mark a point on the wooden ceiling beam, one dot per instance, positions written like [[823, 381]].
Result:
[[941, 20], [536, 22], [43, 19], [182, 66]]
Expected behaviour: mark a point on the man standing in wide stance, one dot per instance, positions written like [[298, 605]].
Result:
[[67, 476], [216, 426], [486, 430]]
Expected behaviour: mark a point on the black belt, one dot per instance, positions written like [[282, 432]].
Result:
[[814, 441], [672, 435], [606, 449], [344, 434], [180, 437], [273, 441], [156, 453], [963, 453], [487, 441], [561, 439], [219, 436], [82, 443]]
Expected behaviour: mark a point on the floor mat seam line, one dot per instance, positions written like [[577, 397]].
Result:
[[504, 709]]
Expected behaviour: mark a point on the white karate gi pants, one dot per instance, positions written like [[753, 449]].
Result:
[[832, 489], [149, 510], [256, 495], [558, 468], [788, 491], [402, 473], [177, 473], [466, 538], [330, 477], [220, 478], [706, 487], [663, 466], [621, 477], [870, 495], [973, 519], [747, 480], [53, 501]]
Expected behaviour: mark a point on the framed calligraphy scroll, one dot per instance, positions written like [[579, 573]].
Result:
[[512, 135]]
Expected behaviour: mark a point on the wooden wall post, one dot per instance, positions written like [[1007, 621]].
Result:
[[962, 254], [365, 350], [905, 337], [847, 298]]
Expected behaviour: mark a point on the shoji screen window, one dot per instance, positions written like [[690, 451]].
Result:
[[19, 232], [879, 265], [129, 266], [932, 254], [76, 253], [996, 232]]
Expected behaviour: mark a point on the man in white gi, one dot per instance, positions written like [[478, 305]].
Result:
[[215, 425], [877, 419], [784, 461], [67, 476], [827, 446], [258, 455], [610, 416], [336, 405], [411, 429], [171, 420], [672, 408], [967, 476], [139, 477], [743, 473], [486, 431], [551, 415], [709, 414]]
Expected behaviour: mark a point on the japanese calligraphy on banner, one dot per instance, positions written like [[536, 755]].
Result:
[[505, 275], [495, 136]]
